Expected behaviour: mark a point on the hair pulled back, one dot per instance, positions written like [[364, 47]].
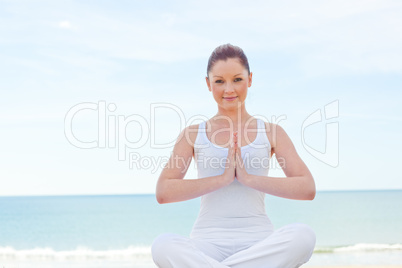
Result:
[[227, 51]]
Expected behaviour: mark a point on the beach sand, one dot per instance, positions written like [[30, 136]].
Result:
[[139, 264], [356, 266]]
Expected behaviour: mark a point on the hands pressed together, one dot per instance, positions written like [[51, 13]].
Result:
[[234, 163]]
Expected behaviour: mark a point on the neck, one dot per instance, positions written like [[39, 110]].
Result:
[[237, 116]]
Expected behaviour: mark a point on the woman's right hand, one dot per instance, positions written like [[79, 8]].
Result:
[[230, 165]]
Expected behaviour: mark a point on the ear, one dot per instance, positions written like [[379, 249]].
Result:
[[250, 79], [208, 84]]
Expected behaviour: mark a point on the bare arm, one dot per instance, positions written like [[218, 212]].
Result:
[[298, 183], [171, 187]]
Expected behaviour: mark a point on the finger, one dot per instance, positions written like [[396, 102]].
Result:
[[232, 150], [234, 154], [238, 154]]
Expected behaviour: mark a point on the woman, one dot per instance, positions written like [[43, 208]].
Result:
[[232, 150]]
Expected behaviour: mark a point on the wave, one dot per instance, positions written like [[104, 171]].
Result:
[[144, 252], [80, 253], [359, 248]]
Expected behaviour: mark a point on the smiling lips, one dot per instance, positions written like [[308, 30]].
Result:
[[230, 98]]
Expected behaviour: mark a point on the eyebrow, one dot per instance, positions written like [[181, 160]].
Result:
[[222, 76]]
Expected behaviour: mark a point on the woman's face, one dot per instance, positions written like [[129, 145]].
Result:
[[229, 81]]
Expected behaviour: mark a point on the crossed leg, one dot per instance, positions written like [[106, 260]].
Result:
[[287, 247], [171, 250]]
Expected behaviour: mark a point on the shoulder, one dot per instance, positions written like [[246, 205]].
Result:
[[274, 133], [189, 133], [188, 136]]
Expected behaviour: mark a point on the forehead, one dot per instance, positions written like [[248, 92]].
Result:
[[229, 66]]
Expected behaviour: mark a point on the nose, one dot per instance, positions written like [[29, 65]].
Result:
[[229, 88]]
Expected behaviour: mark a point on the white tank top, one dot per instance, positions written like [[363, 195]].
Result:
[[234, 209]]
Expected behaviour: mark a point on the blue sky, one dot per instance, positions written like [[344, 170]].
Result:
[[304, 56]]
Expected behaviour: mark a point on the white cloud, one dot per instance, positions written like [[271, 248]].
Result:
[[371, 117], [65, 24], [347, 36]]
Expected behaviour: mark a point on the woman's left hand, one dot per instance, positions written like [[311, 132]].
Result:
[[240, 172]]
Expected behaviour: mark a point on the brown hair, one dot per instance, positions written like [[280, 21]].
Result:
[[227, 51]]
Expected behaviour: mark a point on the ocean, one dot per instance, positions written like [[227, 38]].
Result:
[[352, 227]]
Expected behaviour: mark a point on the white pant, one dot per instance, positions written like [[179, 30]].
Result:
[[287, 247]]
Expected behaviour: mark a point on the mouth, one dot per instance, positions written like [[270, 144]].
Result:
[[229, 98]]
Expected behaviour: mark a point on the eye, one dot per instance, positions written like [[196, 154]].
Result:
[[238, 79], [218, 81]]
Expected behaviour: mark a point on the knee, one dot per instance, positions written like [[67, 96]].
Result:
[[304, 239], [163, 245]]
